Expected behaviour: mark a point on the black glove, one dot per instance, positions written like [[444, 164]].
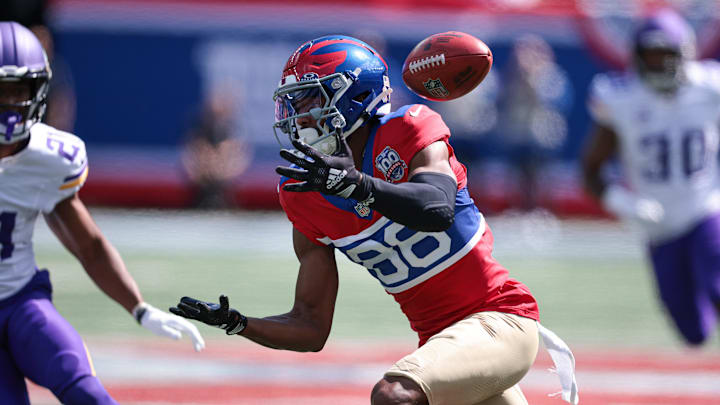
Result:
[[218, 315], [329, 174]]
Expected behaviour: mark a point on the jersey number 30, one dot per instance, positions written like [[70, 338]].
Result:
[[657, 147]]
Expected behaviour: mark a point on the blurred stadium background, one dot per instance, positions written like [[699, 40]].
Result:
[[142, 71]]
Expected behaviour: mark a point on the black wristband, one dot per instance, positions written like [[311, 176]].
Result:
[[240, 326], [139, 314], [364, 188]]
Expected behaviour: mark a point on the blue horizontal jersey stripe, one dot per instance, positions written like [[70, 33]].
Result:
[[398, 256]]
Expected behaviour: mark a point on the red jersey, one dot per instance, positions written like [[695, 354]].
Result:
[[438, 278]]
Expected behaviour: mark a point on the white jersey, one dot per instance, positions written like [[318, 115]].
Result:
[[51, 168], [668, 144]]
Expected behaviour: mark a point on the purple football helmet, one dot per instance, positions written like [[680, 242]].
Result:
[[23, 60], [668, 39]]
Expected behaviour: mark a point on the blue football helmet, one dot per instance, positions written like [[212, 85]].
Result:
[[668, 33], [339, 81], [22, 59]]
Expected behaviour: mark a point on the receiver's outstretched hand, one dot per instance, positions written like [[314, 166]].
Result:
[[217, 315]]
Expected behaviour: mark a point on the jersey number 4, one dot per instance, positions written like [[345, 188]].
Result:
[[7, 225]]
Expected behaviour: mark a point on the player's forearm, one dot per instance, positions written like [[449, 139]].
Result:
[[286, 332], [593, 183], [107, 270], [602, 145], [425, 203]]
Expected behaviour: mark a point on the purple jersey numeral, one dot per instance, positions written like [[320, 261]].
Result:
[[61, 148], [694, 155], [694, 150], [657, 166], [7, 224]]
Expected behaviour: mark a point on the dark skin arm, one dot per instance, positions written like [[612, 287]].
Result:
[[601, 146], [307, 326], [71, 222], [433, 158]]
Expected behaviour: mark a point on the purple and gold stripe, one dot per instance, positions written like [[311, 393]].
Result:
[[90, 362], [75, 179]]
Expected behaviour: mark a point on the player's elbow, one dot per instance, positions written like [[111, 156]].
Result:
[[310, 340], [317, 348], [437, 218], [315, 344]]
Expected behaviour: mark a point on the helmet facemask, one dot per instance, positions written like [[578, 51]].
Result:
[[24, 75], [330, 92], [347, 82], [311, 98], [661, 68], [16, 118]]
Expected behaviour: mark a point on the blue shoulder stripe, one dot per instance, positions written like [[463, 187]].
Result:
[[395, 114]]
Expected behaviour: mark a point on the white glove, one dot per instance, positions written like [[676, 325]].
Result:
[[165, 324], [627, 205]]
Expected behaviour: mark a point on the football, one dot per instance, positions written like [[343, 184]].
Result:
[[446, 66]]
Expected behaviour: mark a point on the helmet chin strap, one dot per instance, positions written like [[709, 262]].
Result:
[[311, 136], [370, 107], [327, 144], [9, 119]]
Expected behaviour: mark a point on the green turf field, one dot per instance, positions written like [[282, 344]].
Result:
[[589, 276]]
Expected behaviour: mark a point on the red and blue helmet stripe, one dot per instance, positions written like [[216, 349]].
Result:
[[364, 68], [332, 54]]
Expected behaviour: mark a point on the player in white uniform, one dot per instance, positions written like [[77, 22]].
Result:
[[662, 119], [41, 171]]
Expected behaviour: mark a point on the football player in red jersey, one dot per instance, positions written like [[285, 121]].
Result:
[[386, 190]]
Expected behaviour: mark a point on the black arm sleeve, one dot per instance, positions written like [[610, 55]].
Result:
[[426, 203]]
